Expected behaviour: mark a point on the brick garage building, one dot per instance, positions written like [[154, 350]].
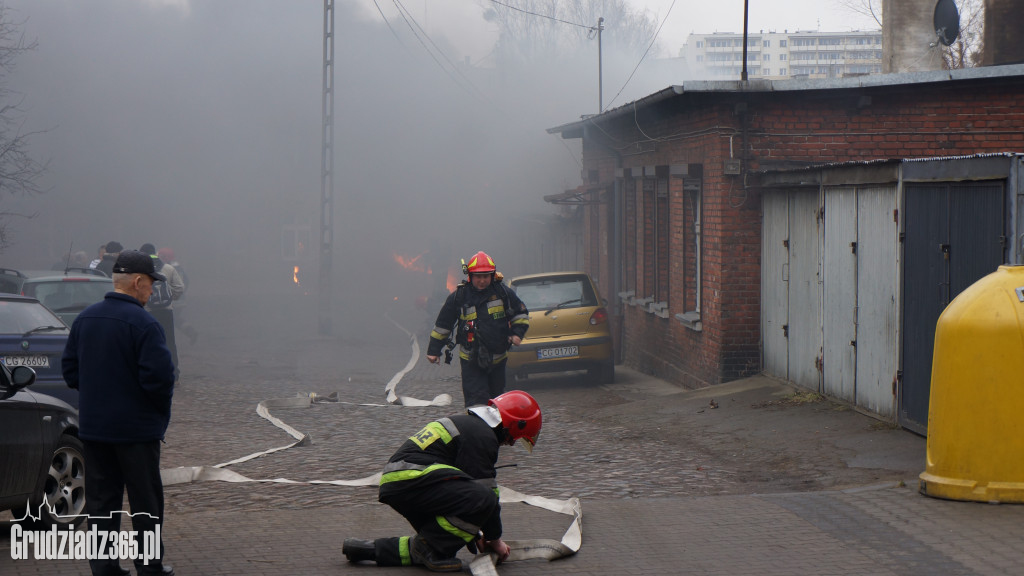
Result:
[[672, 202]]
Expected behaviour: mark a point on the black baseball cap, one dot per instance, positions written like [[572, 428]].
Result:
[[135, 262]]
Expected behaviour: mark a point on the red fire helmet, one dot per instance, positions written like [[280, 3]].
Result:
[[480, 263], [520, 415]]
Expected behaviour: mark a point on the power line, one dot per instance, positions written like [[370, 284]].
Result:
[[510, 7], [385, 18], [407, 16], [656, 33]]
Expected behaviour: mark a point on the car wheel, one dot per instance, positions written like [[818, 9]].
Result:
[[604, 374], [63, 488]]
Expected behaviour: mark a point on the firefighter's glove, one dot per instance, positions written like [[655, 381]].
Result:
[[498, 547]]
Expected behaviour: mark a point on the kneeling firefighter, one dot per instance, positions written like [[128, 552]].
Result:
[[443, 481], [488, 319]]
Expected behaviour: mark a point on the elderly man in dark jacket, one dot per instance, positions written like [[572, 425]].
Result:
[[117, 358]]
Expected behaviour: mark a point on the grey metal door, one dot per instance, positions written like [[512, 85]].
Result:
[[953, 235], [877, 244], [805, 240], [839, 289], [859, 309], [775, 284]]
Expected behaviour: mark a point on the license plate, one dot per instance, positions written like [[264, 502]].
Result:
[[560, 352], [36, 361]]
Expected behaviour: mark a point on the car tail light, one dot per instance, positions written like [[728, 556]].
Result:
[[600, 316]]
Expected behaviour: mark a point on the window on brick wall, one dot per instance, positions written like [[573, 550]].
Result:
[[690, 227], [596, 223], [653, 255], [645, 239], [661, 239], [645, 256], [629, 232]]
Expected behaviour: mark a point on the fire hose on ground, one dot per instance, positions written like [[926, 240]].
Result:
[[482, 564]]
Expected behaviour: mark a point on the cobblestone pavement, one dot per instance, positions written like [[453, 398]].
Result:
[[742, 478]]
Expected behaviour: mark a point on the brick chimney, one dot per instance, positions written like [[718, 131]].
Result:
[[1003, 40], [909, 43]]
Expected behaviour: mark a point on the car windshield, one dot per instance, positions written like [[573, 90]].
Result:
[[550, 293], [67, 296], [22, 317]]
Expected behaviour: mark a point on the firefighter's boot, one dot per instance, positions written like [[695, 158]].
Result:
[[422, 553], [358, 550]]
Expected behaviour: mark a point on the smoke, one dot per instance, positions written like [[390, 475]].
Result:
[[197, 125]]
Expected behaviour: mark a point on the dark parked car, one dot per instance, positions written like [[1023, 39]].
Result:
[[66, 292], [42, 471], [31, 335]]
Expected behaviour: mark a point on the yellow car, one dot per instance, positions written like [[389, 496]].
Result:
[[569, 327]]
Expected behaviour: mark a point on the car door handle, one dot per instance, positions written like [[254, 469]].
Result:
[[47, 418]]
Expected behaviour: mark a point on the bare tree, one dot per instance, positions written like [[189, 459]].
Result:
[[872, 8], [531, 30], [19, 171], [965, 52]]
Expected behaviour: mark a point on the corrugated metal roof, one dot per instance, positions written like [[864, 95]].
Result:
[[760, 85], [883, 161]]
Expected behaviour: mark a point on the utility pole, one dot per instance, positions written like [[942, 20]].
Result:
[[600, 68], [327, 172], [743, 74]]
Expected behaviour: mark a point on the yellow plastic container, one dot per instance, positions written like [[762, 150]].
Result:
[[976, 410]]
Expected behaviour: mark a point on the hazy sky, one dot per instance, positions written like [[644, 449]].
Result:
[[683, 17]]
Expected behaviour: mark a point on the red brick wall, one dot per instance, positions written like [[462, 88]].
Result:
[[925, 121], [980, 116]]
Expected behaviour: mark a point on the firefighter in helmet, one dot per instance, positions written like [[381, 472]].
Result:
[[487, 318], [443, 481]]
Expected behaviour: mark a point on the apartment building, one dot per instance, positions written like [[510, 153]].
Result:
[[775, 55]]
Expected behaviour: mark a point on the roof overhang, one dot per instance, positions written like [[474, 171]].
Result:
[[583, 196], [760, 86]]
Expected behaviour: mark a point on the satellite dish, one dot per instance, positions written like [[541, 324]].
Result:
[[947, 21]]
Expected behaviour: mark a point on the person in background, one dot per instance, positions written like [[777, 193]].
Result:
[[80, 259], [180, 320], [110, 252], [99, 257], [63, 263], [118, 360], [161, 302], [488, 319]]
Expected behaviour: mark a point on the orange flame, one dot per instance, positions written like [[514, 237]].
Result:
[[452, 282], [411, 263], [295, 275]]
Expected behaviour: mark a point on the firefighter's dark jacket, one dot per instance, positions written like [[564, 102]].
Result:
[[461, 447], [491, 315]]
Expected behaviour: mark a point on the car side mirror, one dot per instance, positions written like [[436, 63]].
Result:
[[22, 376], [13, 380]]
